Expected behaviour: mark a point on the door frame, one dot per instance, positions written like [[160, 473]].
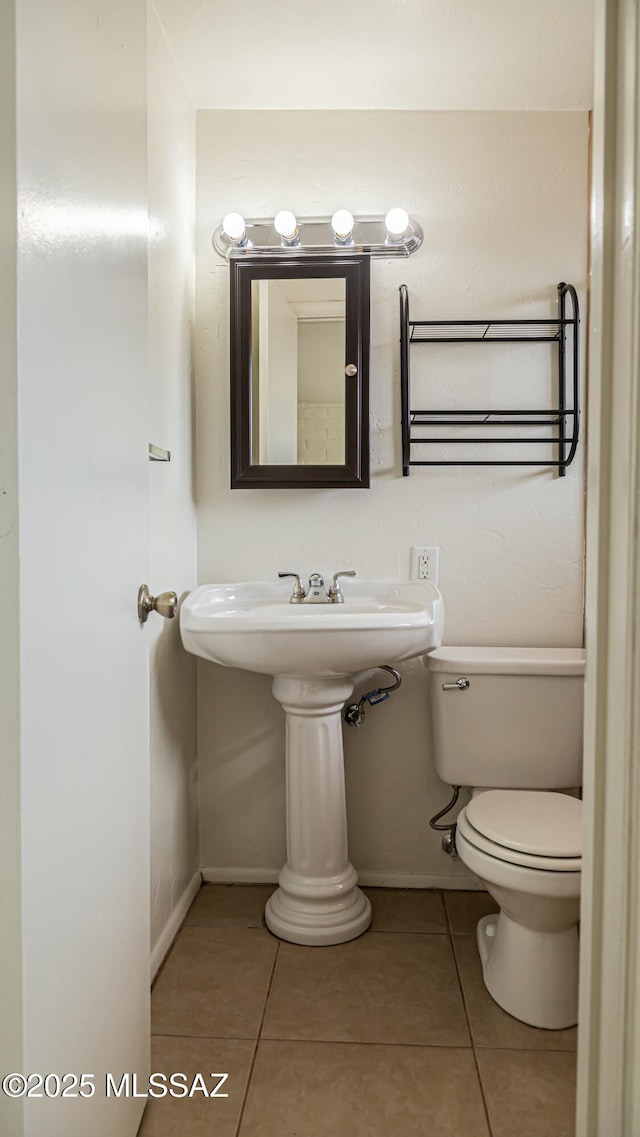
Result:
[[609, 1037]]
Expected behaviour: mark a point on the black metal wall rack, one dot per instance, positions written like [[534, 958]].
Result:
[[564, 418]]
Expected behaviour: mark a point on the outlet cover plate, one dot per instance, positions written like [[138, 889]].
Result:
[[424, 562]]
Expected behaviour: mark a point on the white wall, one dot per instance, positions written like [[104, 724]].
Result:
[[426, 55], [277, 375], [503, 201], [171, 183], [321, 434], [321, 361]]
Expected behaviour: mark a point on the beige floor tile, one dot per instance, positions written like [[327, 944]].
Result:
[[214, 983], [198, 1116], [387, 988], [406, 910], [490, 1025], [229, 906], [310, 1089], [466, 908], [529, 1092]]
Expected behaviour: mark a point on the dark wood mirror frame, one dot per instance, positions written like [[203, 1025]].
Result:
[[355, 472]]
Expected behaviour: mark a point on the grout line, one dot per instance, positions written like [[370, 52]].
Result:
[[223, 927], [404, 932], [466, 1013], [362, 1042], [527, 1050], [273, 971], [351, 1042], [245, 1095], [206, 1037], [334, 1042], [255, 1049], [368, 1042]]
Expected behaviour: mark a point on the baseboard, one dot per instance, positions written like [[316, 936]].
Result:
[[369, 879], [172, 926]]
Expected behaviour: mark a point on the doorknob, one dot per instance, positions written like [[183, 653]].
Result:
[[166, 604]]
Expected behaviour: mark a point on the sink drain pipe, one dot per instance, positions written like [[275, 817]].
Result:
[[449, 839], [354, 714]]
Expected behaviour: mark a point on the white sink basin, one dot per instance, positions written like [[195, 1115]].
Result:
[[253, 626]]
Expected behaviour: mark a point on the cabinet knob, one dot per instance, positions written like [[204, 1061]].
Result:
[[351, 370]]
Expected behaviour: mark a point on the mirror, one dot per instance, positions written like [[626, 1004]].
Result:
[[297, 371], [299, 361]]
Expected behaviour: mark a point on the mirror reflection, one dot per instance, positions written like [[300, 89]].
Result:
[[298, 371]]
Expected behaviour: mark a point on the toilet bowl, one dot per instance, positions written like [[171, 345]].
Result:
[[509, 720], [525, 847]]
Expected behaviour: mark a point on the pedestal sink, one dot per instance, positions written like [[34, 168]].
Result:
[[313, 652]]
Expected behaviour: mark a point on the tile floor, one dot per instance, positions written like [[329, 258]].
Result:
[[391, 1035]]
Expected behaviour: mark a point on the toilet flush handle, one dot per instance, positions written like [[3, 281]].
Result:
[[460, 684]]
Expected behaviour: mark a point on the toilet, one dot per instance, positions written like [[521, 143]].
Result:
[[507, 724]]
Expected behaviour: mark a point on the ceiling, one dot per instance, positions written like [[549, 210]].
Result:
[[383, 54]]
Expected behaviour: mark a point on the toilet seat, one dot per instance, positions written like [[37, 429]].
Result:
[[535, 829]]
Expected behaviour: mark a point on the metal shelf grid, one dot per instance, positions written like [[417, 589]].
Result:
[[564, 418]]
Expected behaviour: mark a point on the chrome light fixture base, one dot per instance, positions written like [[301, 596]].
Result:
[[316, 237]]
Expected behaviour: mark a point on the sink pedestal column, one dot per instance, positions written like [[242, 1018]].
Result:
[[317, 901]]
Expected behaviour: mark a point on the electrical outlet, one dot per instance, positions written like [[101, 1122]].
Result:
[[424, 562]]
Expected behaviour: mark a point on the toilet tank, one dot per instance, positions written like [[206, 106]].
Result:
[[517, 725]]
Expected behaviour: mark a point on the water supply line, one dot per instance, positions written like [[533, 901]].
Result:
[[354, 714], [449, 839]]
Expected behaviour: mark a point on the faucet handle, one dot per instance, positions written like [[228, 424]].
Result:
[[335, 591], [298, 594]]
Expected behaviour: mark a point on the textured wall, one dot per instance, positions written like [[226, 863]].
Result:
[[172, 552], [321, 434], [503, 201], [409, 54]]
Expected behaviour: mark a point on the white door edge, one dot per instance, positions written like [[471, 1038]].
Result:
[[609, 1041]]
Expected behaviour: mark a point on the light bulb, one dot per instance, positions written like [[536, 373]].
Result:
[[285, 224], [397, 222], [342, 224], [233, 227]]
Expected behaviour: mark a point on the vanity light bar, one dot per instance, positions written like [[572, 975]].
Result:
[[288, 235]]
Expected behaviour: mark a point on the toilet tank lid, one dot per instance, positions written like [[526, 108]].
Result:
[[507, 660]]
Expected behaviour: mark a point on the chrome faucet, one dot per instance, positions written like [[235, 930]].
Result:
[[315, 592]]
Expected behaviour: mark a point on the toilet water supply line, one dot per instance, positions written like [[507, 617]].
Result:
[[449, 839], [354, 714]]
